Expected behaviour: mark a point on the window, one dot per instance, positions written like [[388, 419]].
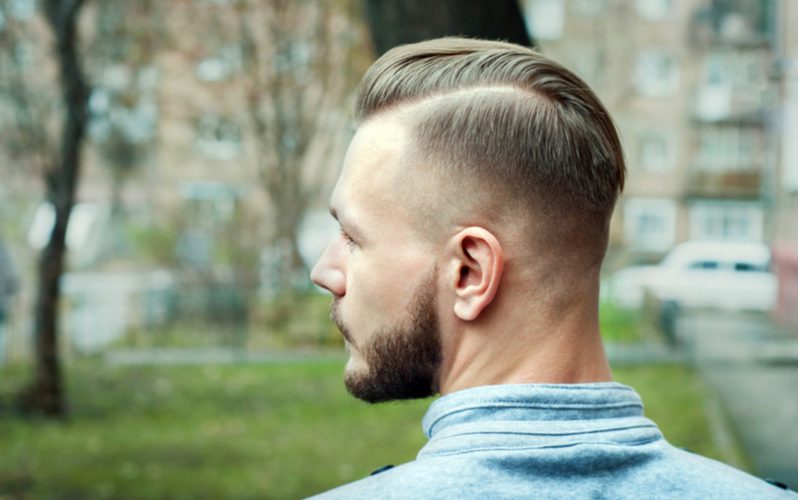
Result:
[[545, 19], [656, 73], [731, 81], [713, 102], [656, 150], [726, 221], [649, 223], [736, 68], [654, 10], [746, 267], [704, 264], [729, 149], [218, 137]]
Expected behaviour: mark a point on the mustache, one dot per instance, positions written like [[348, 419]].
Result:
[[336, 318]]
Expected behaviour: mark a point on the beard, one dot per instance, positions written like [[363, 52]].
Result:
[[402, 361]]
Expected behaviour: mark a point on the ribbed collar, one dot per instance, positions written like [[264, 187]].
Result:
[[532, 403]]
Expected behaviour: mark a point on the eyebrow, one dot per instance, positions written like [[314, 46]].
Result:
[[346, 224]]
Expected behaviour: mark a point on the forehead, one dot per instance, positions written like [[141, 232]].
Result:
[[371, 167]]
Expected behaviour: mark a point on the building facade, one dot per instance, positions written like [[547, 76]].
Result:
[[703, 93]]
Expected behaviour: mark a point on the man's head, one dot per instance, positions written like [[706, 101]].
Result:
[[478, 187]]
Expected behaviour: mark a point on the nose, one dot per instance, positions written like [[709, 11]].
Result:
[[328, 272]]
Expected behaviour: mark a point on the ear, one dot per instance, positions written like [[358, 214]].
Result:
[[476, 268]]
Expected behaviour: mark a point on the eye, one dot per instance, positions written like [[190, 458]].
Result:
[[350, 241]]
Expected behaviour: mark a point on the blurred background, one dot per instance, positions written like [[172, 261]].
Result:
[[165, 170]]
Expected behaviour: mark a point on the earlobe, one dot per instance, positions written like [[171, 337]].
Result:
[[478, 261]]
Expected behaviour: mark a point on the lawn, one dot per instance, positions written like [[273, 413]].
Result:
[[280, 430], [622, 326]]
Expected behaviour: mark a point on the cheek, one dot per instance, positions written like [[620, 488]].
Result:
[[382, 287]]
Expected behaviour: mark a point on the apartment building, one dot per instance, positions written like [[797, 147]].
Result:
[[697, 88]]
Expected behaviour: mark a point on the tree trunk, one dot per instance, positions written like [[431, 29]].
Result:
[[395, 22], [46, 395]]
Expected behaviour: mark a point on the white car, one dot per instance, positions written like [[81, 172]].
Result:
[[718, 275]]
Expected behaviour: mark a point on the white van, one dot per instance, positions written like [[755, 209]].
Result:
[[695, 274]]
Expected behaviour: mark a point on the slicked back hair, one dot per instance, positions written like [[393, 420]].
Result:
[[508, 116]]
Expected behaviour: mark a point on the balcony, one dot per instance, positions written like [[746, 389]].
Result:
[[725, 105], [734, 184], [738, 24]]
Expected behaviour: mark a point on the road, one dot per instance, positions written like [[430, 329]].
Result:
[[752, 368]]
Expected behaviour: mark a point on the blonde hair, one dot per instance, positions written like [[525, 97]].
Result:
[[505, 113]]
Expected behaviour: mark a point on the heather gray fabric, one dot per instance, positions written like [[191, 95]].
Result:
[[552, 441]]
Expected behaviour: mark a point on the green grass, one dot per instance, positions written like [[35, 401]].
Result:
[[245, 431], [621, 325], [268, 431]]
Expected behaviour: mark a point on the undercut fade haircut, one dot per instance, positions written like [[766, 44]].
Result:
[[508, 116]]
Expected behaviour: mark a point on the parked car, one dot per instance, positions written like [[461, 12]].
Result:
[[719, 275]]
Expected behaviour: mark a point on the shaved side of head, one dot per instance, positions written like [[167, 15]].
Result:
[[500, 135]]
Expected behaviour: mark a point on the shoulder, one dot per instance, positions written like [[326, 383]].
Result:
[[682, 470], [663, 472], [434, 477], [386, 482]]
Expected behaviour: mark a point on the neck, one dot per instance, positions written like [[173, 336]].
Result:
[[564, 348]]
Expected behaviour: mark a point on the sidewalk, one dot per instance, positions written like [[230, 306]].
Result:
[[752, 367], [215, 355]]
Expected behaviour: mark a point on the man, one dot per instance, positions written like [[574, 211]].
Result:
[[474, 205]]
